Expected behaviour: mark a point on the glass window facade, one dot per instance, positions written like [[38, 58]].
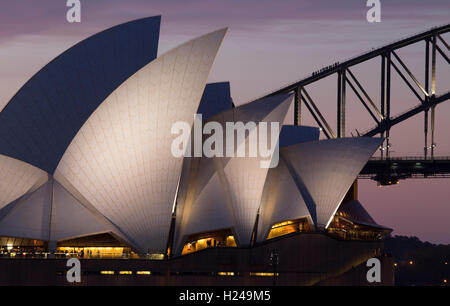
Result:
[[346, 229], [288, 227], [221, 238]]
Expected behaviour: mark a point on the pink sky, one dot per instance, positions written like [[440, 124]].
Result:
[[271, 44]]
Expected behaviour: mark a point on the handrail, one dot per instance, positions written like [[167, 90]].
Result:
[[414, 158]]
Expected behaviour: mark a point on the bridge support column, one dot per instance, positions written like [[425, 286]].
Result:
[[341, 104], [433, 91], [433, 145], [427, 89], [298, 106], [382, 98], [425, 148], [388, 99]]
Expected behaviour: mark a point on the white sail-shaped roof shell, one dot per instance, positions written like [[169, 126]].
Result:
[[324, 171], [71, 219], [28, 216], [226, 192], [17, 179], [282, 200], [121, 161], [51, 213]]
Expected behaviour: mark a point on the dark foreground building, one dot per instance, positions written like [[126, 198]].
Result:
[[91, 167]]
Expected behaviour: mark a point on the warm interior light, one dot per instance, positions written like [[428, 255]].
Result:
[[221, 238], [125, 272], [288, 227], [155, 256], [346, 229], [226, 273], [93, 251], [263, 274], [143, 272], [107, 272]]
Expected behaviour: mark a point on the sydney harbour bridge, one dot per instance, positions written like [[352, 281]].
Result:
[[386, 169]]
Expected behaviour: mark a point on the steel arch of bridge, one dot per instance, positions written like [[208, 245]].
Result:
[[425, 93]]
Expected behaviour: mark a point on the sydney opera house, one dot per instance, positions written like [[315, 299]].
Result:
[[87, 171]]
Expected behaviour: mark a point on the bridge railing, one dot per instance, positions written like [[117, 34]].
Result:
[[392, 43], [400, 158], [354, 57]]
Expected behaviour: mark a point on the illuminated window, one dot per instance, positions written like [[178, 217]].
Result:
[[346, 229], [225, 273], [101, 252], [220, 238], [263, 274], [107, 272], [155, 256], [143, 272], [21, 246], [125, 272], [288, 227], [230, 242]]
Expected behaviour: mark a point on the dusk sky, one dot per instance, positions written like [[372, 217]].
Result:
[[272, 43]]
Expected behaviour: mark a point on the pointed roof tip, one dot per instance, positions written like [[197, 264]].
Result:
[[373, 140], [219, 34], [289, 96], [225, 30], [283, 97], [371, 143], [271, 102], [278, 99], [380, 139], [135, 21], [148, 17], [222, 32], [287, 99], [366, 139]]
